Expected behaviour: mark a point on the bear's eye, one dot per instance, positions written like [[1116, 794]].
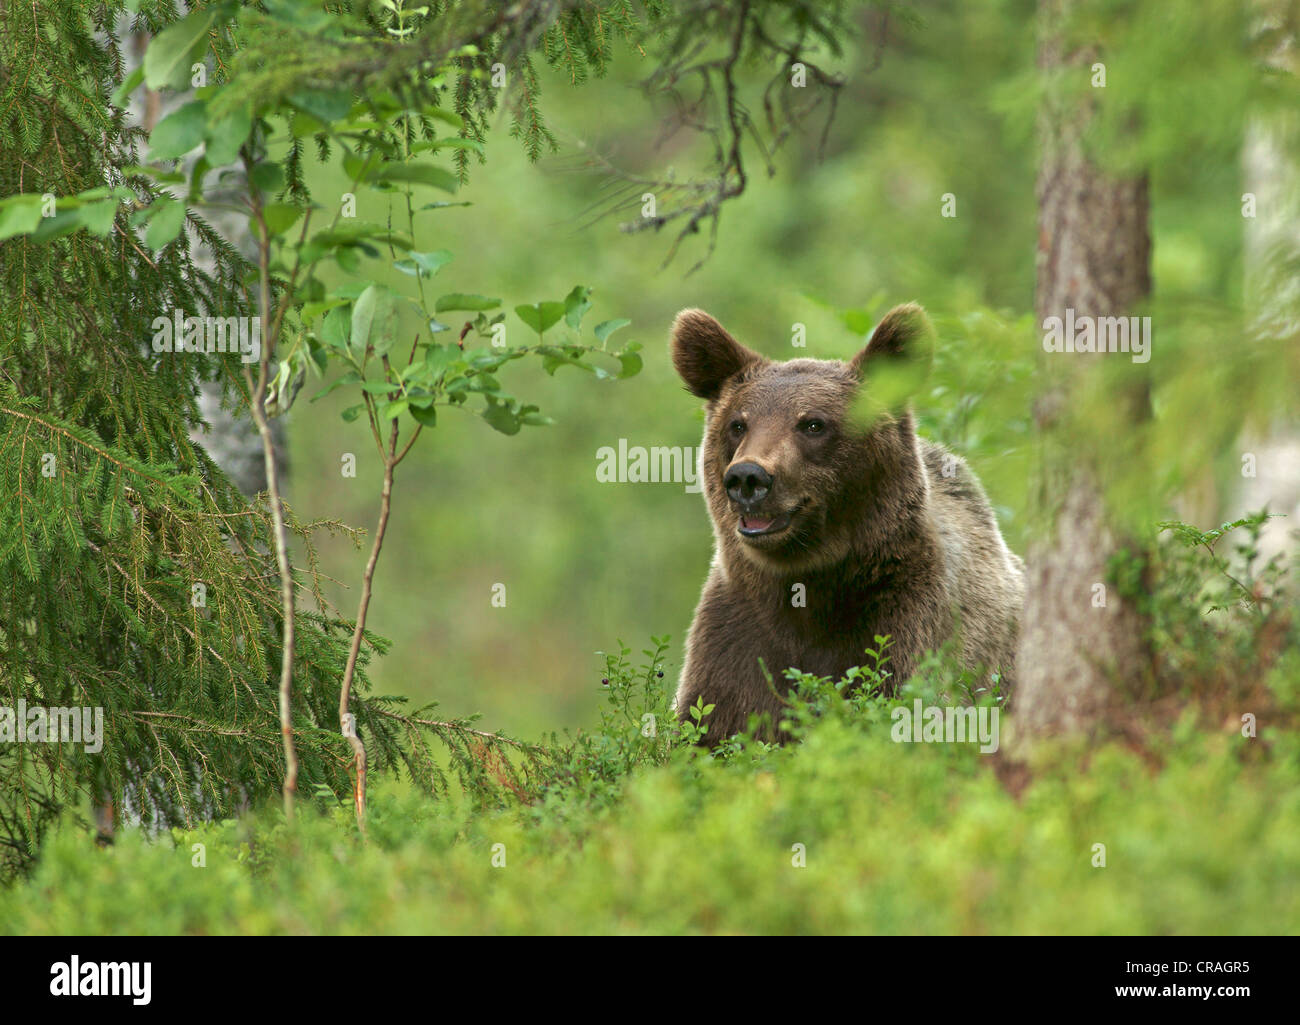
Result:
[[737, 427], [812, 426]]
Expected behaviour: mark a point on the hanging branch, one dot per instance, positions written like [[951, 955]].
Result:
[[701, 200]]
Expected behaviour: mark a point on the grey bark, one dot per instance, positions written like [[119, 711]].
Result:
[[229, 435], [1094, 253], [231, 438], [1272, 241]]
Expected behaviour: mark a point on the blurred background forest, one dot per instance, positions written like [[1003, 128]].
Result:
[[928, 184], [946, 107], [585, 562]]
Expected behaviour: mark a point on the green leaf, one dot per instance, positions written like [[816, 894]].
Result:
[[417, 174], [482, 359], [351, 413], [439, 357], [631, 363], [374, 321], [486, 383], [325, 105], [267, 176], [608, 327], [576, 304], [350, 291], [336, 328], [426, 417], [168, 59], [301, 125], [360, 168], [98, 217], [201, 167], [441, 114], [284, 387], [630, 360], [501, 417], [19, 215], [383, 329], [530, 416], [363, 315], [167, 217], [179, 132], [541, 316], [225, 136], [310, 311], [463, 301], [428, 263], [319, 357], [280, 217], [553, 359], [129, 85], [392, 410], [353, 233], [118, 192], [62, 223]]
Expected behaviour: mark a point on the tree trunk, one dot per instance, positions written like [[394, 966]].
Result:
[[1078, 640], [1272, 298], [231, 440]]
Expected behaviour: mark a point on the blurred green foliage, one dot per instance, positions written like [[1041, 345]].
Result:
[[635, 831], [628, 831], [631, 828], [830, 241], [910, 839]]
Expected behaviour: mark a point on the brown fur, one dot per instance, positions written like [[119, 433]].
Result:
[[883, 541]]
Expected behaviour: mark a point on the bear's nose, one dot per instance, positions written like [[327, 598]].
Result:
[[747, 484]]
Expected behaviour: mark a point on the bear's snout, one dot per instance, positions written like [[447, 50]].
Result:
[[747, 485]]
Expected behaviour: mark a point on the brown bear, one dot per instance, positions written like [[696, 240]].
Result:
[[831, 527]]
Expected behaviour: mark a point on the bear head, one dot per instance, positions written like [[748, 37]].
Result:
[[802, 466]]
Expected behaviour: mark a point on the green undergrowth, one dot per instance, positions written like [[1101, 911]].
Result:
[[915, 838], [1175, 820]]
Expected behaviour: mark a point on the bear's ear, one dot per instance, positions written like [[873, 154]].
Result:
[[705, 355], [904, 334]]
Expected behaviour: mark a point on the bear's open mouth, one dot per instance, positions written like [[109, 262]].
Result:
[[758, 526]]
